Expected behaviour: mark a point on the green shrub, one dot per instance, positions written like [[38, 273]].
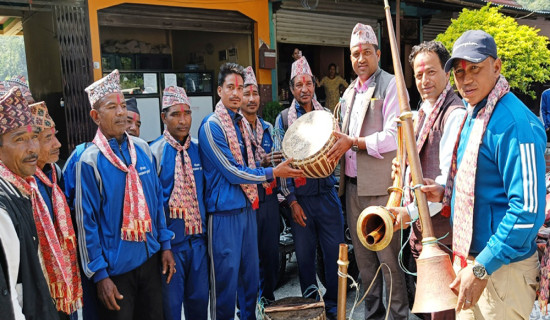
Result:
[[524, 53], [271, 110]]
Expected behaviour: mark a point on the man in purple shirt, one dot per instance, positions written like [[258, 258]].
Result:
[[368, 143]]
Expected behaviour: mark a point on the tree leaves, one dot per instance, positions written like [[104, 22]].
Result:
[[12, 56], [524, 53]]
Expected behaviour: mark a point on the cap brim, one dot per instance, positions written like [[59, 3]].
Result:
[[476, 58]]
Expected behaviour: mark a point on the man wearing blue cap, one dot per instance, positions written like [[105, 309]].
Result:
[[496, 214], [133, 119]]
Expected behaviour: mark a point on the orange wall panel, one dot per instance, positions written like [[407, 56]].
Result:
[[256, 10]]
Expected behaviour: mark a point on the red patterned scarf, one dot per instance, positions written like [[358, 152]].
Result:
[[422, 136], [435, 112], [250, 190], [463, 180], [136, 221], [293, 116], [57, 242], [256, 140], [183, 201]]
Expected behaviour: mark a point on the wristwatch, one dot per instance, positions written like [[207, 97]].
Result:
[[355, 146], [479, 271]]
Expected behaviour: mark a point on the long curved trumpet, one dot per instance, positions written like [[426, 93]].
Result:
[[375, 223]]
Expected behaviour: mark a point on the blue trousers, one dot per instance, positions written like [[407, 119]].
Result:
[[233, 251], [268, 245], [89, 298], [324, 225], [189, 285]]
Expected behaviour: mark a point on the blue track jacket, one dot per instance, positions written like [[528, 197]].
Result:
[[165, 160], [267, 144], [509, 191], [222, 173], [69, 174], [312, 186], [545, 108], [99, 197]]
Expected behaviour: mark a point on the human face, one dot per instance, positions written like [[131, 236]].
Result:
[[364, 60], [49, 147], [476, 80], [133, 121], [19, 150], [251, 100], [177, 120], [429, 76], [296, 54], [303, 89], [110, 115], [332, 72], [231, 92]]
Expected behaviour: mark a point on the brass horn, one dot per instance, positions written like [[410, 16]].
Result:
[[375, 223], [434, 268]]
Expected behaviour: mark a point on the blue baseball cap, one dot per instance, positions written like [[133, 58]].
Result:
[[474, 46], [131, 105]]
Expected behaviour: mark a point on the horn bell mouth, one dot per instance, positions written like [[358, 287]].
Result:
[[375, 227]]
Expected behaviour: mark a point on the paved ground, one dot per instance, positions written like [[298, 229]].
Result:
[[291, 287]]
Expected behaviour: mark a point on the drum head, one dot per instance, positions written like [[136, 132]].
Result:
[[308, 135]]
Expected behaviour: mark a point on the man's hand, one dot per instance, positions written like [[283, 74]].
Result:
[[469, 288], [395, 168], [402, 218], [108, 294], [434, 192], [168, 264], [272, 158], [298, 213], [284, 170], [342, 145]]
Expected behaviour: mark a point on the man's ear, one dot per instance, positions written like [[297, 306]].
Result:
[[94, 114], [219, 91], [163, 117], [497, 66]]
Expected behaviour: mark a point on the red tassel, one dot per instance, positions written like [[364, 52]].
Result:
[[463, 262], [298, 182], [256, 204], [446, 211], [268, 190]]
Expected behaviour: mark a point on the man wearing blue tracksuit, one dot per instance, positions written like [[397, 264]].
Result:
[[123, 246], [261, 133], [232, 230], [319, 202], [268, 227], [189, 285], [497, 274], [89, 292]]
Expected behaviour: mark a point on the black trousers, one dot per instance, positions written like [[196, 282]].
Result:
[[142, 291]]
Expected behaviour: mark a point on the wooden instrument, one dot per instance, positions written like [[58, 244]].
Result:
[[296, 308], [434, 268], [375, 223], [343, 263], [308, 140]]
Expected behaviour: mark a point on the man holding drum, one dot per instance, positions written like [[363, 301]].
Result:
[[316, 209], [231, 199], [368, 140]]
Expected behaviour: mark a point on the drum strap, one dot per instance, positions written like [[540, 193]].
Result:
[[284, 115]]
